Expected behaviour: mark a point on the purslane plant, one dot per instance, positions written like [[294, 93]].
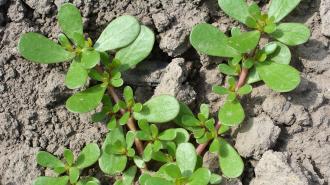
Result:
[[70, 170], [135, 139], [248, 62]]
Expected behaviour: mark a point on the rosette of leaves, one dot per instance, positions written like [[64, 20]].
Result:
[[185, 170], [161, 145], [202, 127], [124, 36], [117, 148], [270, 64], [112, 111], [230, 162], [232, 113], [69, 171]]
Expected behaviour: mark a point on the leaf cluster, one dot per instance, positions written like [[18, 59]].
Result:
[[69, 171], [121, 46]]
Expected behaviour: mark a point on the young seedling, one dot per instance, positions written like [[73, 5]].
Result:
[[69, 171], [121, 46], [269, 64]]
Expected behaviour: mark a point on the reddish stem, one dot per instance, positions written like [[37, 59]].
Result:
[[130, 123], [241, 81]]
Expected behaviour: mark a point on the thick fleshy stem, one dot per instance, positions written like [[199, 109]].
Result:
[[130, 123], [241, 81]]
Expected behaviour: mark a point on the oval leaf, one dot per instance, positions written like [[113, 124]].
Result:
[[184, 111], [112, 164], [74, 174], [88, 156], [281, 8], [39, 49], [119, 33], [231, 113], [70, 20], [76, 76], [87, 100], [182, 136], [200, 177], [186, 158], [51, 180], [230, 161], [245, 42], [279, 77], [48, 160], [209, 40], [253, 76], [134, 53], [281, 55], [159, 109], [291, 33], [237, 9], [90, 59]]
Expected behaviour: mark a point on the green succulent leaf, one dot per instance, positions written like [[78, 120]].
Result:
[[74, 174], [279, 77], [228, 70], [119, 33], [87, 100], [215, 179], [70, 20], [182, 136], [158, 181], [281, 55], [170, 171], [190, 121], [205, 110], [48, 160], [231, 96], [124, 119], [159, 109], [231, 164], [90, 58], [139, 162], [186, 158], [270, 48], [128, 176], [215, 146], [237, 9], [209, 40], [112, 164], [147, 153], [45, 51], [245, 42], [76, 76], [291, 33], [88, 156], [246, 89], [184, 110], [167, 135], [200, 177], [220, 90], [79, 39], [134, 53], [223, 129], [130, 136], [281, 8], [231, 113], [255, 10], [253, 76], [68, 155], [51, 180]]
